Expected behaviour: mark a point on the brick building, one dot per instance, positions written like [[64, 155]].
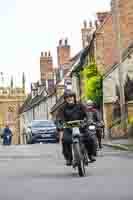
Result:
[[124, 10], [47, 72], [119, 20], [113, 37], [105, 45], [63, 58]]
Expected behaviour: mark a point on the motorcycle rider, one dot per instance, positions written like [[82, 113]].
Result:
[[70, 111], [7, 135], [94, 115]]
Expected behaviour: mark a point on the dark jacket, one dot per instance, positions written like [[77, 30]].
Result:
[[93, 114], [69, 112], [72, 112], [6, 132]]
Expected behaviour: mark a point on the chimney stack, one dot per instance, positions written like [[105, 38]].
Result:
[[66, 42], [90, 23], [86, 32], [102, 16], [46, 66], [63, 52], [63, 56]]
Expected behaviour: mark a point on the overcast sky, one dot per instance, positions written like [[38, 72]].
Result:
[[28, 27]]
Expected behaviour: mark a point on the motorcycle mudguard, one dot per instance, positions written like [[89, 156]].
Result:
[[75, 140], [75, 131], [75, 134]]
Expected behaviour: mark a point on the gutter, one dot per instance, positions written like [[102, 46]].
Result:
[[116, 146]]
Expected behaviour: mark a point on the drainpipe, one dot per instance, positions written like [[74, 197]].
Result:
[[33, 113], [77, 74], [80, 91]]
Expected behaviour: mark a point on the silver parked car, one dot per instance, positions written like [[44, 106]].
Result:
[[41, 131]]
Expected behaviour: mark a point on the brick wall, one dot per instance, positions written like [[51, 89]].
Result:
[[125, 9], [46, 66], [130, 109], [63, 52], [107, 51], [116, 131]]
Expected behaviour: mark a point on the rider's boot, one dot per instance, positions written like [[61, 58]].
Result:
[[86, 161], [68, 162], [75, 163], [92, 158]]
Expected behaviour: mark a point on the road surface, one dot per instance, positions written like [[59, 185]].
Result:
[[37, 172]]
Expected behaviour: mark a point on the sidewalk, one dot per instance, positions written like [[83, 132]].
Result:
[[120, 144]]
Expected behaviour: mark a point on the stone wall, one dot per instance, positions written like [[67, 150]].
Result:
[[9, 115]]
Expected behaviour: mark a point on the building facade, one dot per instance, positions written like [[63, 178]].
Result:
[[111, 93], [37, 107], [113, 38], [11, 99]]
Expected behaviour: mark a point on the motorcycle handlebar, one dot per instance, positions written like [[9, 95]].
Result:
[[81, 123]]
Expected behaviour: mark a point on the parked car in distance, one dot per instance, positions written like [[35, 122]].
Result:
[[42, 131]]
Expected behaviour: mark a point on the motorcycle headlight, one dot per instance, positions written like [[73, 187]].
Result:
[[29, 130], [92, 127]]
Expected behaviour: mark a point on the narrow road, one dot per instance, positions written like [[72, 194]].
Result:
[[37, 172]]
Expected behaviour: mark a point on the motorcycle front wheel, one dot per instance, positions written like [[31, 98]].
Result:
[[79, 159]]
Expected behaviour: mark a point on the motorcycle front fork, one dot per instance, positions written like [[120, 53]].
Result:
[[84, 155]]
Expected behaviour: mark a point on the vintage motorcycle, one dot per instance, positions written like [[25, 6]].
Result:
[[6, 139], [80, 153]]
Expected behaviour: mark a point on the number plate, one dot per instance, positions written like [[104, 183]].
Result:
[[92, 127], [45, 136], [76, 131]]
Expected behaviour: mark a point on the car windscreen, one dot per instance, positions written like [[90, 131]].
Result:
[[43, 124]]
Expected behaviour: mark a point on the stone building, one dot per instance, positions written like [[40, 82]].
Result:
[[11, 99]]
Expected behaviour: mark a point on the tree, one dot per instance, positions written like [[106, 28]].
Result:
[[92, 84]]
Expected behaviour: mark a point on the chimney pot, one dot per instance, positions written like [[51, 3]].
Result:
[[66, 42], [85, 24], [60, 42], [45, 54], [49, 54], [90, 23], [41, 53]]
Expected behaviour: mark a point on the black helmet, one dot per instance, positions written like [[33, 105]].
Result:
[[69, 94]]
